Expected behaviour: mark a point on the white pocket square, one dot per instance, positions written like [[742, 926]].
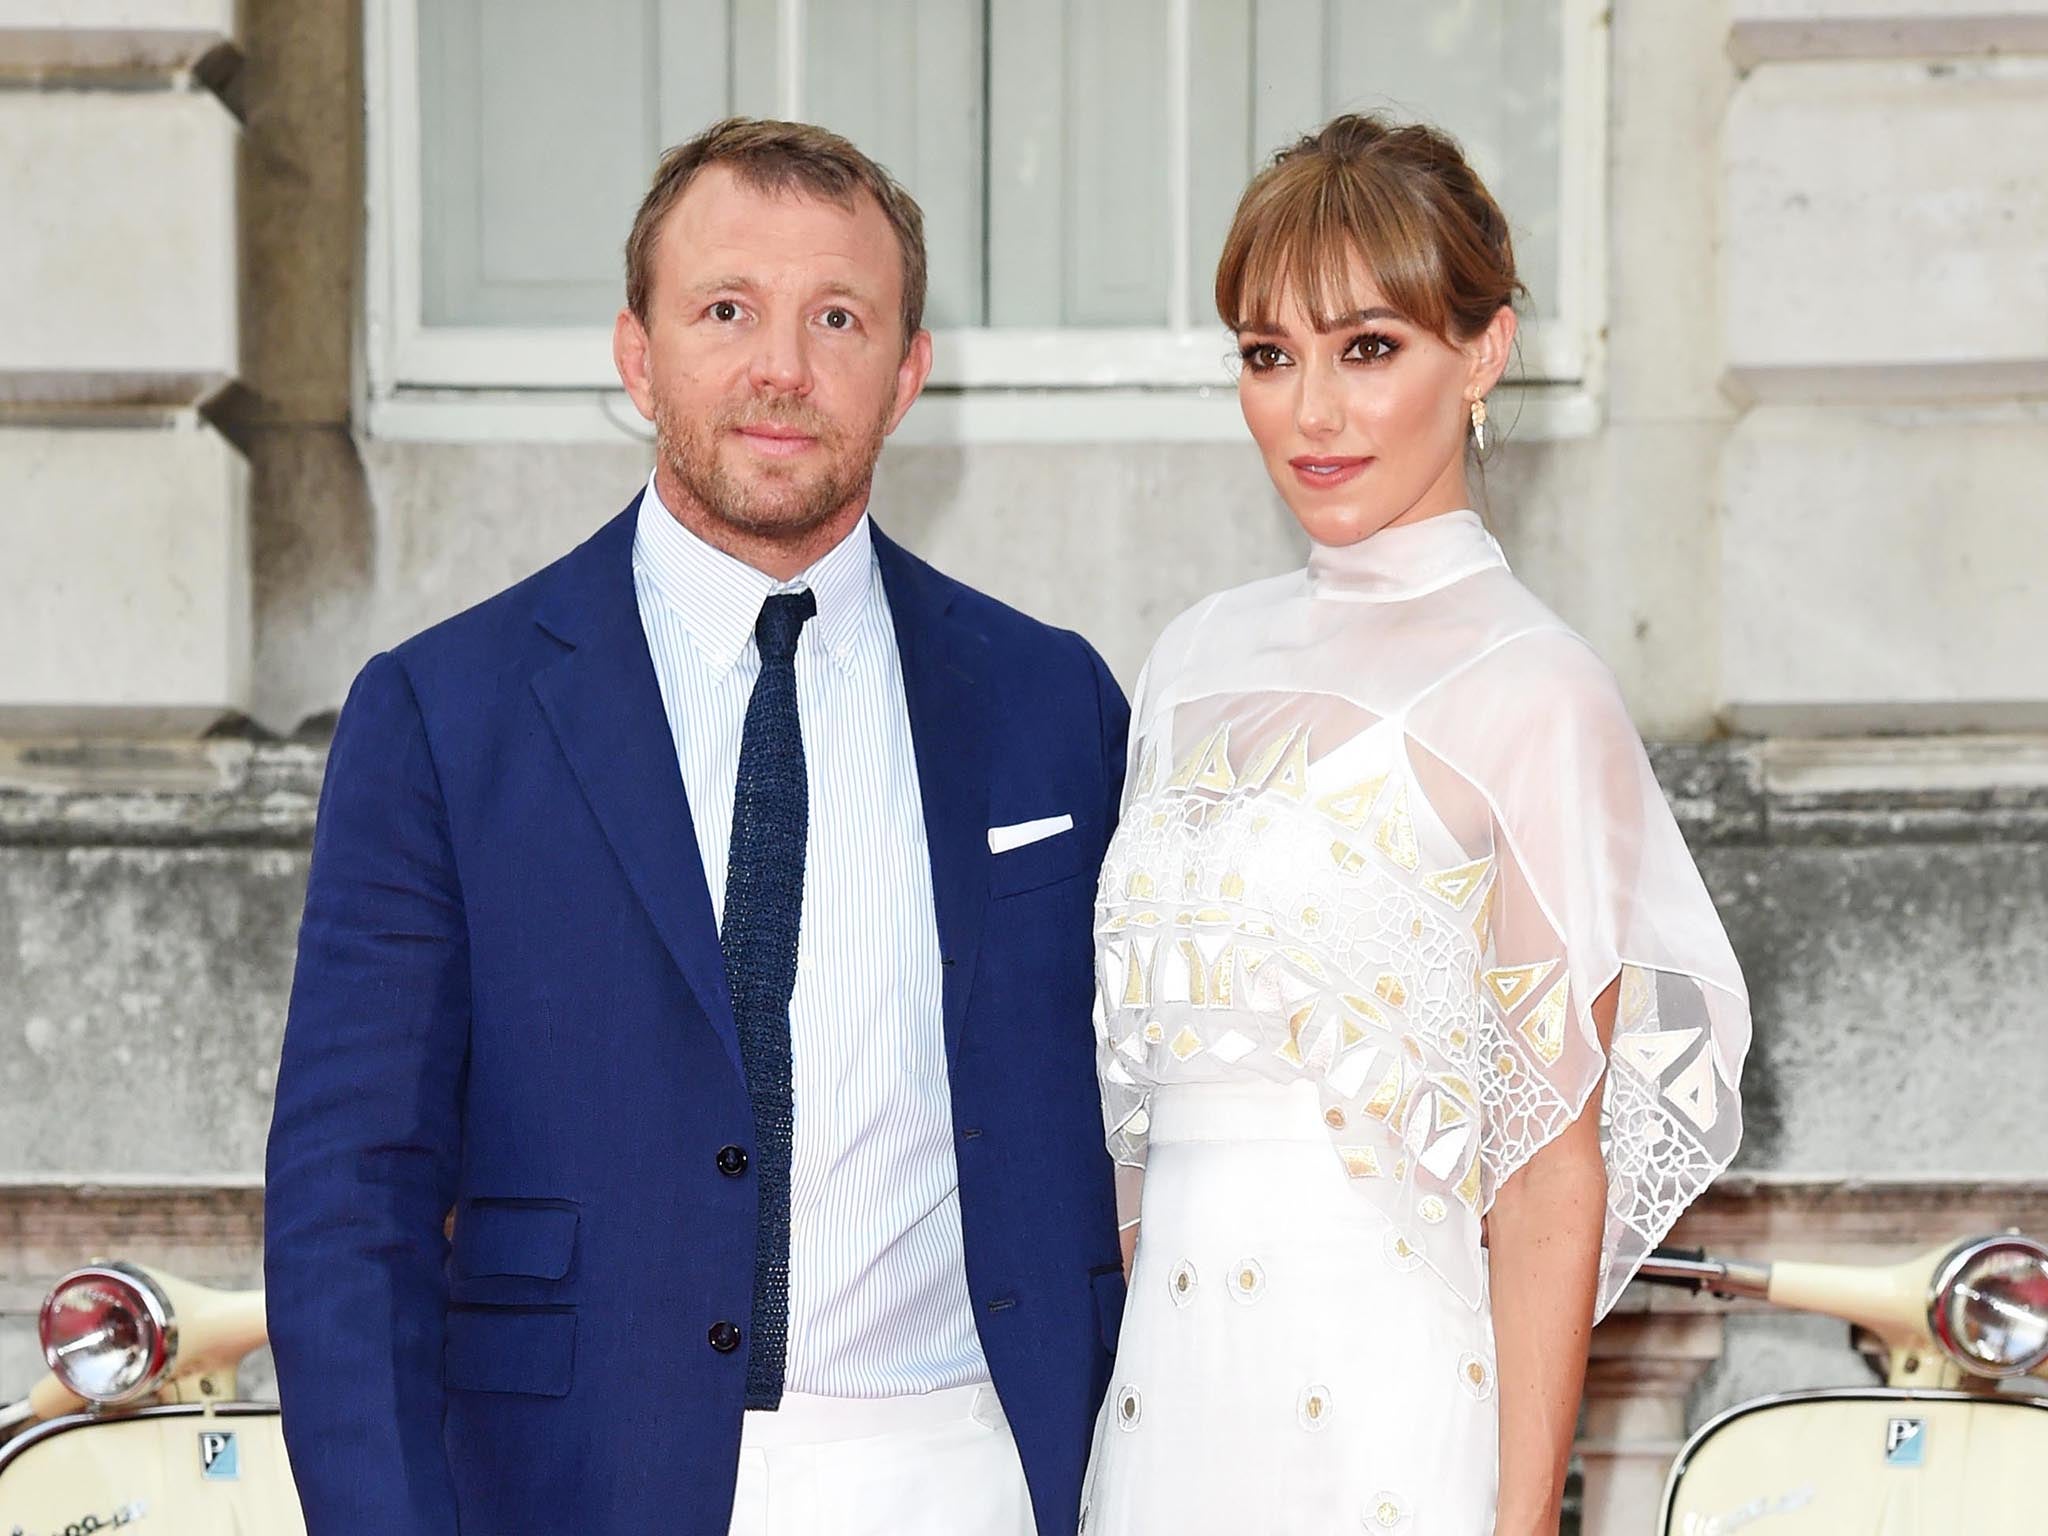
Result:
[[1003, 839]]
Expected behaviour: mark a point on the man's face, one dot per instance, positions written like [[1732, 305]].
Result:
[[772, 361]]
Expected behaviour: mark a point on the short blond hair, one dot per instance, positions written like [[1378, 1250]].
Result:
[[772, 156]]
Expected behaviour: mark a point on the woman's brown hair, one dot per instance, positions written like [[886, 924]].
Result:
[[1400, 197]]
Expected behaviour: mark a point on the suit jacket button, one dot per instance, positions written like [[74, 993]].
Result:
[[725, 1338], [732, 1161]]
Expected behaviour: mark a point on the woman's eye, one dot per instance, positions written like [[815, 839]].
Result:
[[1372, 349], [1261, 355], [725, 311]]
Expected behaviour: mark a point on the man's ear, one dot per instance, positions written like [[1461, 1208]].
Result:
[[911, 373], [630, 357]]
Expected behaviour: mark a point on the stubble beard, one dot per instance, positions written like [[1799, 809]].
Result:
[[777, 505]]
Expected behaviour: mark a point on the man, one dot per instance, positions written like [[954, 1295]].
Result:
[[702, 927]]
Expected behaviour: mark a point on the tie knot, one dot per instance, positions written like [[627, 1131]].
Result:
[[782, 620]]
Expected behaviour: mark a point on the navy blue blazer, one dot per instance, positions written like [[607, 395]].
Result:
[[510, 1009]]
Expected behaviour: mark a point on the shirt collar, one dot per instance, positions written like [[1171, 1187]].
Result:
[[1405, 561], [718, 599]]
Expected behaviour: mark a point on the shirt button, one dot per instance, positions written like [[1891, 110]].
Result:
[[725, 1338], [732, 1161]]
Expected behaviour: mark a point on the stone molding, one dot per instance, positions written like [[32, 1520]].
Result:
[[1784, 31], [232, 792], [115, 41]]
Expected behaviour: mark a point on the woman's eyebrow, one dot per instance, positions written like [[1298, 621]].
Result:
[[1359, 317]]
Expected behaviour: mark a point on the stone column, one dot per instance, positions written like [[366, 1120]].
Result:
[[1643, 1367], [124, 568]]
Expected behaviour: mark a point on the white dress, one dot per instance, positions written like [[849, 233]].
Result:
[[1387, 833]]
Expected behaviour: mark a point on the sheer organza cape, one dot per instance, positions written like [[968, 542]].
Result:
[[1388, 826]]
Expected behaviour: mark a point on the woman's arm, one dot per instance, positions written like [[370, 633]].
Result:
[[1544, 1235]]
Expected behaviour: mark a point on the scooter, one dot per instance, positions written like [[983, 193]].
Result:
[[1951, 1443], [138, 1421]]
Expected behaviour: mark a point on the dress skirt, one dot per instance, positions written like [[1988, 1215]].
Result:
[[1287, 1366]]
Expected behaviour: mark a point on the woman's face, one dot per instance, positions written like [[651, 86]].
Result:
[[1364, 426]]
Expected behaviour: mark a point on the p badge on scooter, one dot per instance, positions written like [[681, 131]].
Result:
[[1905, 1443], [219, 1459]]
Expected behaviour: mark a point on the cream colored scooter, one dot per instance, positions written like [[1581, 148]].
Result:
[[1952, 1443], [137, 1422]]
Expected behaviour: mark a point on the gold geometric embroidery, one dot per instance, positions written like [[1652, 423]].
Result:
[[1184, 775], [1360, 1162], [1512, 984], [1262, 764], [1504, 1064], [1468, 1187], [1450, 1113], [1212, 915], [1137, 990], [1215, 774], [1482, 925], [1220, 979], [1652, 1052], [1148, 765], [1456, 886], [1333, 1117], [1140, 886], [1390, 989], [1346, 858], [1291, 778], [1306, 963], [1186, 1043], [1311, 917], [1544, 1028], [1290, 1052], [1396, 835], [1432, 1209], [1155, 1032], [1197, 980], [1693, 1093], [1387, 1095], [1351, 806], [1232, 887]]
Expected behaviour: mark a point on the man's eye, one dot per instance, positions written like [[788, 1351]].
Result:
[[839, 319], [725, 311]]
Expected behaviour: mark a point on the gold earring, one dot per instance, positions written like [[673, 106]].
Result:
[[1479, 425]]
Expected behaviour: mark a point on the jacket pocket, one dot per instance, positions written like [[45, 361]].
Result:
[[510, 1349], [1045, 862], [534, 1238], [1108, 1285]]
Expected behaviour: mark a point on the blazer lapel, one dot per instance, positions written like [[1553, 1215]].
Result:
[[945, 685], [605, 707]]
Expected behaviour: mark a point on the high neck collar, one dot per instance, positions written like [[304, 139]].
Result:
[[1404, 561]]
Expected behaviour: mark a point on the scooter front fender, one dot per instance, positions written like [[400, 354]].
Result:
[[1873, 1461], [178, 1470]]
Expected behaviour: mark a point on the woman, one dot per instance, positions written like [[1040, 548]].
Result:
[[1413, 1007]]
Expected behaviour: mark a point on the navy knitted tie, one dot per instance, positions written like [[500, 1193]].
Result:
[[764, 892]]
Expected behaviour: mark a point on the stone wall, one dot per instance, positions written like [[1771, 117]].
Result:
[[1805, 508]]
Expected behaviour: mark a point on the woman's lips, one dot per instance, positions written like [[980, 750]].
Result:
[[1320, 473]]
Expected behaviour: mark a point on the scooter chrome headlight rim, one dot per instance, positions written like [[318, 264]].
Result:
[[1975, 1318], [108, 1334]]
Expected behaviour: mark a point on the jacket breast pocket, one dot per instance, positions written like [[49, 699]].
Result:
[[1048, 861], [531, 1238], [530, 1350]]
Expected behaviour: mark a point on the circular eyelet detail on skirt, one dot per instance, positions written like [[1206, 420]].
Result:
[[1182, 1284], [1130, 1407], [1386, 1512], [1431, 1208], [1313, 1411], [1475, 1375], [1247, 1280], [1400, 1252]]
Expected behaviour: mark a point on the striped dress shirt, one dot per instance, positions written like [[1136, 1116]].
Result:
[[878, 1303]]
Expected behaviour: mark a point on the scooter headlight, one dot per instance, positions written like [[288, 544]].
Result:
[[108, 1334], [1989, 1306]]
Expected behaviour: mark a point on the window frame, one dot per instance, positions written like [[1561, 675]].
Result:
[[422, 381]]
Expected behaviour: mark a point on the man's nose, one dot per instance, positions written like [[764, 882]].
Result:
[[782, 360]]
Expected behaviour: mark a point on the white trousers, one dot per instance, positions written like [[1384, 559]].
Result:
[[943, 1464]]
